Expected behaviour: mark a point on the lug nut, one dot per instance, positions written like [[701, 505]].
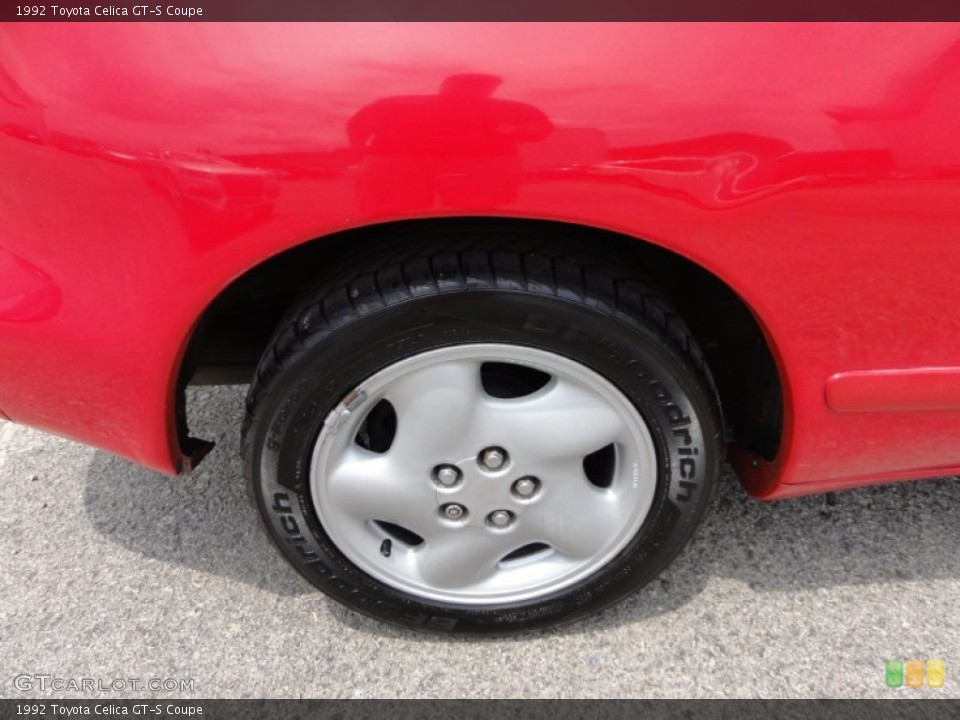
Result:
[[500, 518], [525, 487], [493, 458], [453, 511], [447, 475]]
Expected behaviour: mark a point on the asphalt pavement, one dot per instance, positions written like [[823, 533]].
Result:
[[122, 576]]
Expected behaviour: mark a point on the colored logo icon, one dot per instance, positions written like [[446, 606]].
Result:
[[894, 673], [898, 673], [914, 672], [935, 673]]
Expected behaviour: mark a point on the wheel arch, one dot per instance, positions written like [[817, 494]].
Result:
[[236, 326]]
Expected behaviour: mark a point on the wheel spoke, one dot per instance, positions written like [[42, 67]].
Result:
[[463, 557], [435, 409], [367, 486], [576, 516], [563, 420]]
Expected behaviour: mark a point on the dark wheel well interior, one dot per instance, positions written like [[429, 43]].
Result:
[[237, 326]]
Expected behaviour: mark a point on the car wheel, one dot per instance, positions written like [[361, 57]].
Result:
[[481, 441]]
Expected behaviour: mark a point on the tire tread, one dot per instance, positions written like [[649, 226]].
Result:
[[436, 269]]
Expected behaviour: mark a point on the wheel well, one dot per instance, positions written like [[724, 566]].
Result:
[[237, 326]]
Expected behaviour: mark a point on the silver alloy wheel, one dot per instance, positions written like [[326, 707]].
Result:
[[388, 512]]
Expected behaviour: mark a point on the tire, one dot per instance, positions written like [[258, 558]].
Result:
[[367, 421]]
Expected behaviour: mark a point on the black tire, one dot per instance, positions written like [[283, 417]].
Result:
[[342, 332]]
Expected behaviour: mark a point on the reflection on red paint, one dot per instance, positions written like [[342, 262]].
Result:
[[460, 146], [27, 294]]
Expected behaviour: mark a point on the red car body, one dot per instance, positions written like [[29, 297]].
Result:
[[813, 169]]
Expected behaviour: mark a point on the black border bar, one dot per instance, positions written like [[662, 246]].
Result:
[[498, 709], [481, 10]]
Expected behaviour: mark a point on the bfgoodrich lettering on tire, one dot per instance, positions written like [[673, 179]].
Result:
[[481, 440]]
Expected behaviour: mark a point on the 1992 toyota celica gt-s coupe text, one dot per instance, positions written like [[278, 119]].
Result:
[[505, 295]]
